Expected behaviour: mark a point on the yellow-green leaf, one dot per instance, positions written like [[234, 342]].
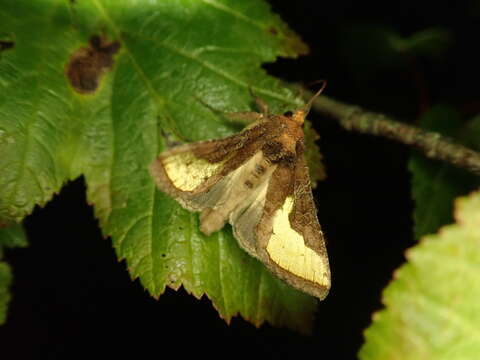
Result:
[[432, 308]]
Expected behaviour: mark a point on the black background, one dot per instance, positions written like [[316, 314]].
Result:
[[72, 298]]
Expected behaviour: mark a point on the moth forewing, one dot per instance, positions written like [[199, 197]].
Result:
[[174, 173], [189, 172], [289, 239], [292, 260]]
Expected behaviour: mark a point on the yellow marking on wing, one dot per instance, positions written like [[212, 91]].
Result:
[[186, 171], [288, 250]]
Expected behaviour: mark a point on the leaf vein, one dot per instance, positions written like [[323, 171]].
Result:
[[234, 13], [446, 312]]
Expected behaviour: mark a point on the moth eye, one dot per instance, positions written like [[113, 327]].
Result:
[[288, 113]]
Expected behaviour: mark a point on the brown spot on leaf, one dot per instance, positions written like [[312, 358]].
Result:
[[88, 64], [272, 30], [4, 45]]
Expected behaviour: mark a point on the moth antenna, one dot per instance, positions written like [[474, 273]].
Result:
[[307, 107]]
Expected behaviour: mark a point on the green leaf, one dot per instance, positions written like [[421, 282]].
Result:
[[313, 155], [434, 184], [373, 47], [429, 42], [179, 65], [432, 308], [12, 236]]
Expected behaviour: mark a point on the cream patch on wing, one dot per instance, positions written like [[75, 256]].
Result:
[[186, 171], [287, 249]]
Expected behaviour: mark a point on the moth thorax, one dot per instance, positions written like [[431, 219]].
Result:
[[299, 116], [276, 152]]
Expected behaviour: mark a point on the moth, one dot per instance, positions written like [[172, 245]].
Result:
[[258, 181]]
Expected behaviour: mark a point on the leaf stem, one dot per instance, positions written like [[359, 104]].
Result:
[[432, 144]]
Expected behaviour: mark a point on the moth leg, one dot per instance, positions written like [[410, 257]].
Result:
[[259, 103]]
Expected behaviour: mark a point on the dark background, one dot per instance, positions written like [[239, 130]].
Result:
[[72, 298]]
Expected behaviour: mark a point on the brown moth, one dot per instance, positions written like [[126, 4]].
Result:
[[258, 181]]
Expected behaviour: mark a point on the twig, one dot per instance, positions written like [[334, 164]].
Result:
[[432, 144]]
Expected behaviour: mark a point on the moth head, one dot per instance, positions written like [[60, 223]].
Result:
[[300, 115]]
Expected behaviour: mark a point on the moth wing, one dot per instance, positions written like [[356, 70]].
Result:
[[290, 240], [245, 220], [197, 174]]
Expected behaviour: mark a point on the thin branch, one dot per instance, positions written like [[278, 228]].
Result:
[[432, 144]]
